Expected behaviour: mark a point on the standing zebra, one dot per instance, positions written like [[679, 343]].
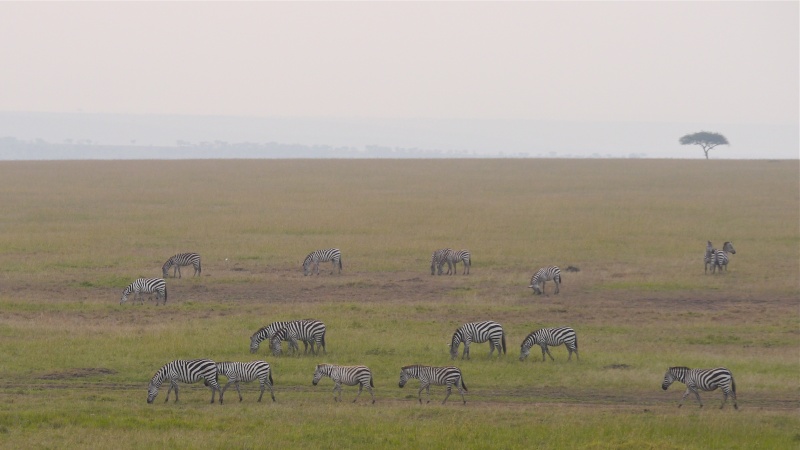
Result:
[[440, 376], [185, 371], [145, 286], [708, 259], [478, 332], [545, 274], [348, 375], [182, 259], [309, 330], [266, 333], [703, 379], [454, 256], [311, 263], [438, 259], [550, 336], [720, 257], [246, 372]]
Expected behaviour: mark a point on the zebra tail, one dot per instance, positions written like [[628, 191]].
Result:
[[165, 295], [464, 385], [373, 385], [733, 386], [504, 342], [340, 263], [270, 379]]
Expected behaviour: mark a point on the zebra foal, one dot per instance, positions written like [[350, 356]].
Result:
[[246, 372], [550, 336], [545, 274], [311, 262], [478, 332], [181, 259], [704, 380], [347, 375], [440, 376], [185, 371], [145, 286]]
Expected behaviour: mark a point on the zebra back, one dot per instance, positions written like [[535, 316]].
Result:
[[182, 259], [311, 262], [185, 371], [265, 333], [145, 286]]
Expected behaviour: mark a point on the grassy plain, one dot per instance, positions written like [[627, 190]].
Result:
[[76, 364]]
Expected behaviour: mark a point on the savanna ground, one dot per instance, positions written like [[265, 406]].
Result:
[[76, 364]]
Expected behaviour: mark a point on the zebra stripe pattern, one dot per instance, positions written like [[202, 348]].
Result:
[[478, 332], [456, 256], [181, 259], [720, 257], [311, 263], [439, 376], [550, 336], [185, 371], [145, 286], [266, 333], [438, 259], [347, 375], [704, 380], [246, 372], [545, 274], [708, 259], [311, 331]]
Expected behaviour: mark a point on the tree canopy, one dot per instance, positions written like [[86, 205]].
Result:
[[705, 140]]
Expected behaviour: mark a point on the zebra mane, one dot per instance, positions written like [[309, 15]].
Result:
[[412, 366]]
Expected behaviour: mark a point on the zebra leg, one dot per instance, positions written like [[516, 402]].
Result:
[[239, 392], [544, 349], [557, 289], [466, 350], [449, 391], [360, 388], [369, 388], [271, 392], [549, 354]]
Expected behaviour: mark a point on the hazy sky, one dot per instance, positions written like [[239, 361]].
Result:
[[700, 62]]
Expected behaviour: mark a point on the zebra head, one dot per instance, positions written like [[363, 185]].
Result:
[[275, 343], [152, 389], [322, 369], [255, 341], [403, 377], [525, 350], [673, 374], [728, 247], [125, 294], [165, 268], [454, 343]]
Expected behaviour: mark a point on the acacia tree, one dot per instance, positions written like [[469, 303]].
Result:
[[705, 140]]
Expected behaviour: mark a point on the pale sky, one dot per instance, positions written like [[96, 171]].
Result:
[[699, 62]]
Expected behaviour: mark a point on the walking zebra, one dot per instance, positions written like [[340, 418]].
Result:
[[246, 372], [181, 259], [438, 259], [454, 256], [311, 263], [185, 371], [550, 336], [545, 274], [312, 331], [348, 375], [703, 379], [708, 259], [440, 376], [478, 332], [720, 257], [145, 286], [266, 333]]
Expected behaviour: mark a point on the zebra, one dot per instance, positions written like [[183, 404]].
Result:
[[348, 375], [703, 379], [478, 332], [309, 330], [545, 274], [145, 286], [438, 259], [181, 259], [311, 263], [708, 259], [720, 257], [246, 372], [454, 256], [440, 376], [185, 371], [550, 336], [266, 333]]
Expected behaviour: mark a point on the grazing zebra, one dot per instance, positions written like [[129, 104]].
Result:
[[708, 259], [185, 371], [311, 263], [545, 274], [266, 333], [438, 259], [454, 256], [703, 379], [478, 332], [246, 372], [440, 376], [182, 259], [348, 375], [550, 336], [145, 286], [309, 330], [720, 257]]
